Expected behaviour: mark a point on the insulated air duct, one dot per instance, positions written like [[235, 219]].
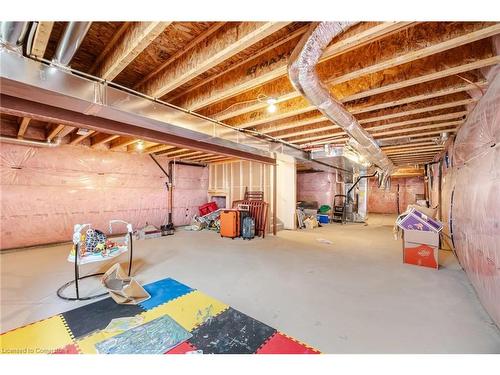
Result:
[[27, 142], [303, 76], [12, 34], [70, 42]]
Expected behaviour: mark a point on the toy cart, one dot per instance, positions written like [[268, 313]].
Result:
[[82, 254]]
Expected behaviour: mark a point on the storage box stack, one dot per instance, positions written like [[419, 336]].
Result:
[[420, 238]]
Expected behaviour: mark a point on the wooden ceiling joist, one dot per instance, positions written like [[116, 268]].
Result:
[[273, 65], [413, 149], [23, 126], [134, 40], [226, 42], [376, 105], [102, 138], [54, 131], [111, 44], [158, 148], [329, 126], [122, 142], [421, 120], [41, 38], [418, 111], [192, 90], [204, 35], [421, 71], [66, 130], [409, 52], [76, 139]]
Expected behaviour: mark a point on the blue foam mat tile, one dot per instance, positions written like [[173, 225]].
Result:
[[162, 291]]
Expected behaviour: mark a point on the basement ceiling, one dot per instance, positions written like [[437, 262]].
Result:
[[405, 82]]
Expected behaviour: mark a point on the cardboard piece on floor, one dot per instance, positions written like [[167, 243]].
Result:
[[122, 288]]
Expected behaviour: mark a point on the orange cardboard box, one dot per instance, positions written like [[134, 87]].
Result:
[[421, 248]]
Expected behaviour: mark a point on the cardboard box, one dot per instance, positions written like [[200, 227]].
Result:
[[123, 289], [421, 248]]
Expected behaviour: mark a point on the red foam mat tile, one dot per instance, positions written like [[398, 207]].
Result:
[[68, 349], [181, 348], [281, 344]]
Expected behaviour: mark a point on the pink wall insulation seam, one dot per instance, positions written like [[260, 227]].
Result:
[[44, 192], [382, 201], [472, 178], [320, 187]]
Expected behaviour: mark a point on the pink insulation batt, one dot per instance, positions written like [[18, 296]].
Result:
[[45, 191], [472, 178]]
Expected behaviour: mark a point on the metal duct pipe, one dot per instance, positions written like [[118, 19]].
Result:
[[303, 76], [28, 142], [70, 42], [12, 34]]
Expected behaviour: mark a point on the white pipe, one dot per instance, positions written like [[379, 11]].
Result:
[[303, 76], [28, 142]]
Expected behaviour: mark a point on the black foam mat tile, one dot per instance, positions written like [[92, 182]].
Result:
[[231, 332], [97, 315]]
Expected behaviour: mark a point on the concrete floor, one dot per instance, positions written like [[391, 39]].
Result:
[[351, 296]]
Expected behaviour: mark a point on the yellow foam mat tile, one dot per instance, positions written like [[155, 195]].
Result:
[[189, 311], [41, 337]]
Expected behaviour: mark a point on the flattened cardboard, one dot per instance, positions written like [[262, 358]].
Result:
[[122, 288]]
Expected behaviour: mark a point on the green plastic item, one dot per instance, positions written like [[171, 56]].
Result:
[[324, 208]]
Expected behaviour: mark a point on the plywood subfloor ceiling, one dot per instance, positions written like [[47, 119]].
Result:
[[405, 82]]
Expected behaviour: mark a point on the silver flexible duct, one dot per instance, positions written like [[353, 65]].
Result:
[[303, 76], [27, 142], [70, 42], [12, 34]]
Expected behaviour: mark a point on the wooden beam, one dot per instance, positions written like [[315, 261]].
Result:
[[102, 138], [406, 146], [412, 149], [133, 41], [111, 45], [78, 138], [407, 51], [65, 131], [225, 43], [450, 63], [204, 35], [383, 133], [416, 111], [158, 148], [122, 142], [23, 125], [419, 127], [373, 105], [415, 52], [329, 126], [421, 120], [273, 65], [41, 38], [54, 130], [233, 68]]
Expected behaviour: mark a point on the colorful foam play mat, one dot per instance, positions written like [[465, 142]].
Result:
[[175, 320]]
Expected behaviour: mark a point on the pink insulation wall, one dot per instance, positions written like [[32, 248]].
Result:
[[470, 196], [318, 186], [45, 191], [382, 201]]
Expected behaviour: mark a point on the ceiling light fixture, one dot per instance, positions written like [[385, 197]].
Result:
[[271, 105], [140, 145]]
